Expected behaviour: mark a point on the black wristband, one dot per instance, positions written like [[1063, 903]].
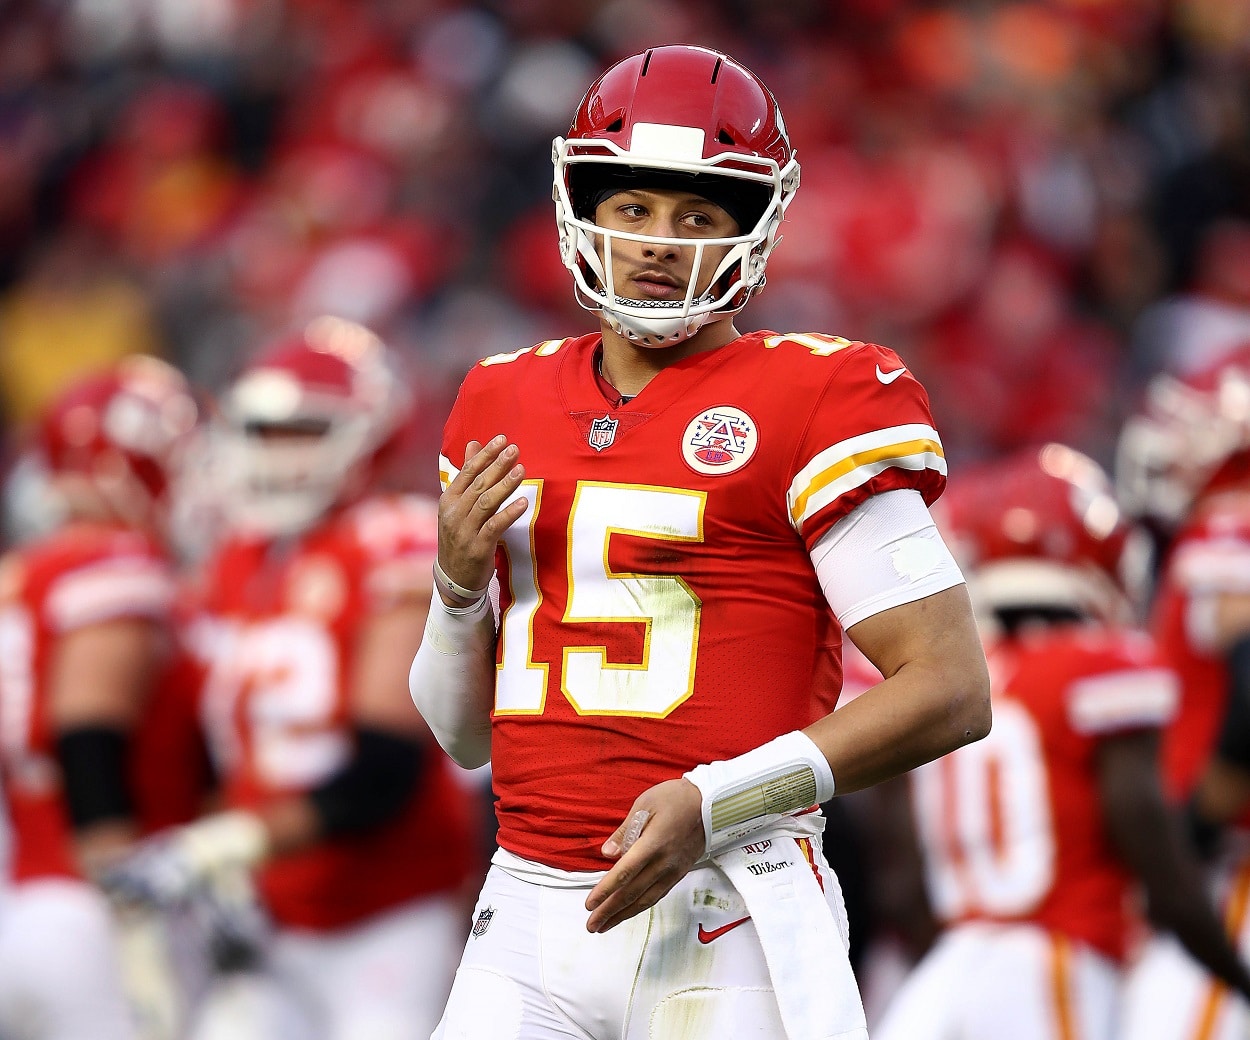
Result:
[[1234, 739], [1204, 835], [373, 787], [94, 768]]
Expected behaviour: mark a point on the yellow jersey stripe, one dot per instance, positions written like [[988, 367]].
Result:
[[869, 458]]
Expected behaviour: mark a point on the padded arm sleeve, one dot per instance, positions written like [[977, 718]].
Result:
[[373, 787], [886, 552], [1234, 741], [93, 763], [452, 678]]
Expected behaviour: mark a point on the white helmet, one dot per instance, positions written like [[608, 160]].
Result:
[[1191, 435], [304, 426]]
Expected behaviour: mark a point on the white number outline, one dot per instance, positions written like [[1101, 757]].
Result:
[[597, 687], [17, 680]]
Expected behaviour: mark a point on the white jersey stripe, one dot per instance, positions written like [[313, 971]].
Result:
[[129, 587], [853, 462], [1122, 700], [1214, 567]]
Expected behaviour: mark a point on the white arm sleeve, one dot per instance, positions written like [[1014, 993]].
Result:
[[452, 678], [885, 552]]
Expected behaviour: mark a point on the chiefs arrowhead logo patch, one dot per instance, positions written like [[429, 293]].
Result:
[[719, 440]]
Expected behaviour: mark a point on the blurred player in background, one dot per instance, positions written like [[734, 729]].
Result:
[[1034, 839], [1184, 466], [681, 520], [334, 794], [87, 656]]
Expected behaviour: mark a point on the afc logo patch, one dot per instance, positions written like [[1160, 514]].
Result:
[[719, 440], [602, 433], [484, 918]]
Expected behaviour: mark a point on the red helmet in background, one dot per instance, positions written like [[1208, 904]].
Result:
[[1192, 435], [305, 426], [674, 117], [1041, 530], [122, 434]]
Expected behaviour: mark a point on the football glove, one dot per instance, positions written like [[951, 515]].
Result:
[[170, 868]]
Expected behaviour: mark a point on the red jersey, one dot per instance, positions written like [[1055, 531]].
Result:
[[1209, 558], [82, 575], [1012, 826], [278, 638], [659, 606]]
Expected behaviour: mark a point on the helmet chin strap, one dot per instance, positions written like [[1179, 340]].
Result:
[[658, 330]]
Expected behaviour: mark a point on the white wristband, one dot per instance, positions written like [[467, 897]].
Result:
[[454, 630], [454, 587], [743, 795]]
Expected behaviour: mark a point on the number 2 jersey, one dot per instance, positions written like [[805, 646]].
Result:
[[278, 636], [659, 607], [1011, 827]]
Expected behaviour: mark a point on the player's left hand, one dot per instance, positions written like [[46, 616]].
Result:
[[670, 842]]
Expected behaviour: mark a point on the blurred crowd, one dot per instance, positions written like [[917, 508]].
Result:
[[1036, 203], [1040, 204]]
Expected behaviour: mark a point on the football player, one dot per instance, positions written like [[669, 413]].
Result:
[[335, 796], [87, 653], [1035, 839], [676, 523], [1184, 464]]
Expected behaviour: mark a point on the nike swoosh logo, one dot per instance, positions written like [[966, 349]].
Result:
[[706, 936], [888, 377]]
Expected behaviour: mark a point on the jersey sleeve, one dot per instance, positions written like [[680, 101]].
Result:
[[120, 581], [871, 431], [1215, 565], [473, 414], [451, 454], [1126, 688], [398, 539]]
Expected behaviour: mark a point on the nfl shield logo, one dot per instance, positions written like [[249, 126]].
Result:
[[483, 920], [602, 433]]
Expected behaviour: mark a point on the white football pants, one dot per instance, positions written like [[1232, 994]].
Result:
[[60, 975], [691, 967], [993, 981], [384, 979]]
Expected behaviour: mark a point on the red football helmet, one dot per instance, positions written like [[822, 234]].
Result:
[[306, 424], [1041, 529], [1192, 435], [123, 432], [674, 117]]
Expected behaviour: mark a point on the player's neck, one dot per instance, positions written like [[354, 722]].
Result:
[[629, 367]]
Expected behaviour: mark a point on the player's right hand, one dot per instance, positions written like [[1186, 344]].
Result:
[[472, 514]]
